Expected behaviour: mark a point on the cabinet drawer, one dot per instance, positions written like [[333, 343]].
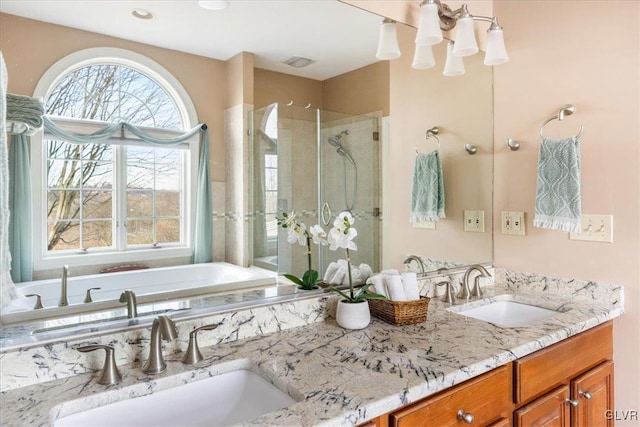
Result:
[[554, 366], [487, 398]]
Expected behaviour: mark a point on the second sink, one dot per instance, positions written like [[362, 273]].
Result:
[[221, 400], [508, 314]]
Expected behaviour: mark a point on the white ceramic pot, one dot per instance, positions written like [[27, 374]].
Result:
[[353, 316]]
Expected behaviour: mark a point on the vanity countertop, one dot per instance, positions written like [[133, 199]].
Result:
[[342, 377]]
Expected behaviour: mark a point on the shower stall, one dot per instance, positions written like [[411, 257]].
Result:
[[318, 163]]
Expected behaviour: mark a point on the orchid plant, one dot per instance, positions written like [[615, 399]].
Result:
[[341, 236], [297, 232]]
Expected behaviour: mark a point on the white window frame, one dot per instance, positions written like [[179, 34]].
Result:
[[43, 260]]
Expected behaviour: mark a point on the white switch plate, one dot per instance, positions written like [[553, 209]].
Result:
[[474, 221], [429, 225], [595, 228], [513, 223]]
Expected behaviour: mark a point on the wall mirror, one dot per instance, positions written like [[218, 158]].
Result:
[[418, 100]]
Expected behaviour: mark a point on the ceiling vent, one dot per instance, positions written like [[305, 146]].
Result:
[[298, 61]]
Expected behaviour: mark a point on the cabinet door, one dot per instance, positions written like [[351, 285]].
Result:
[[550, 410], [594, 392], [479, 401], [502, 422]]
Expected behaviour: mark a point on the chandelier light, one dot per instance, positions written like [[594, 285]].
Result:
[[388, 47]]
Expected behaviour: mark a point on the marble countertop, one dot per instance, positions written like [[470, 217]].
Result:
[[340, 377]]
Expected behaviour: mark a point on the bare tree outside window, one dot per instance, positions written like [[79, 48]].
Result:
[[81, 179]]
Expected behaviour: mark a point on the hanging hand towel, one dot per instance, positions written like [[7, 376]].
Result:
[[427, 194], [558, 185]]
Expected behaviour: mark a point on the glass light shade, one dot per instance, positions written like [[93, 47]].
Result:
[[453, 66], [465, 44], [496, 52], [213, 4], [429, 32], [388, 47], [423, 58]]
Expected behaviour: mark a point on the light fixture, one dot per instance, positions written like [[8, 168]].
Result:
[[453, 65], [388, 47], [423, 57], [436, 17], [142, 14], [213, 4]]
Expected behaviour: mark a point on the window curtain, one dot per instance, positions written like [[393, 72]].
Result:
[[20, 228], [202, 233]]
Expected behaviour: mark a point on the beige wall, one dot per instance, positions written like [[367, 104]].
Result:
[[462, 108], [569, 52], [271, 86], [240, 79], [31, 47], [360, 91]]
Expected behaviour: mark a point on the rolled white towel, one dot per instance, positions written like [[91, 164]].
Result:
[[356, 276], [366, 271], [378, 284], [390, 272], [338, 278], [394, 287], [342, 263], [331, 271], [410, 285]]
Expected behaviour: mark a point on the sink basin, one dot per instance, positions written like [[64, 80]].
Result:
[[508, 314], [230, 398]]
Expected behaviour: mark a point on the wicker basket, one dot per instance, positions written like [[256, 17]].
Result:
[[400, 312]]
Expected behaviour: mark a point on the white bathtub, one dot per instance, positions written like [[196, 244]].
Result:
[[151, 285]]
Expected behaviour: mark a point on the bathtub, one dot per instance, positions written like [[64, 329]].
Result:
[[151, 285]]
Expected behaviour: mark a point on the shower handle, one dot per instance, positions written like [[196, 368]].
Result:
[[325, 214]]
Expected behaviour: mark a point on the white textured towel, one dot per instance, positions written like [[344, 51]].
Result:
[[378, 284], [410, 285], [332, 268], [395, 288]]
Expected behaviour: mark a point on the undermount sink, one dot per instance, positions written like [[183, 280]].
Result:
[[508, 314], [229, 398]]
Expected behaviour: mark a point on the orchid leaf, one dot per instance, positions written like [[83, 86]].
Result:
[[294, 279], [345, 296], [310, 277]]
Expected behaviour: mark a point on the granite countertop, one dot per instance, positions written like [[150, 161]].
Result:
[[341, 377]]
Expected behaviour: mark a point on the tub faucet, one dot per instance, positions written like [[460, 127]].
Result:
[[163, 328], [129, 297], [417, 259], [465, 290], [64, 300]]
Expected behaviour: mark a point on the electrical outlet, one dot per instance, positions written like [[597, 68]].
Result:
[[429, 225], [474, 221], [595, 228], [513, 223]]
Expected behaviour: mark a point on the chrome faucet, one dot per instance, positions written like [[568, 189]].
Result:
[[465, 291], [110, 373], [417, 259], [163, 328], [64, 300], [129, 297]]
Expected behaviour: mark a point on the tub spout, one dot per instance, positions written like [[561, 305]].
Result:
[[163, 328], [64, 300], [129, 297]]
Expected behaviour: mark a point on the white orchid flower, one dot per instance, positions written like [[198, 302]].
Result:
[[318, 235], [297, 233], [342, 233], [290, 220], [344, 219]]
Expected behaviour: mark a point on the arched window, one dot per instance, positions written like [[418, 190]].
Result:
[[122, 195]]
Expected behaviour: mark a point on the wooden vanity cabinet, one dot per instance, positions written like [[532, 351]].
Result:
[[567, 384], [480, 401]]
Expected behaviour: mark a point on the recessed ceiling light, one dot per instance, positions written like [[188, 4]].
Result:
[[298, 61], [213, 4], [142, 14]]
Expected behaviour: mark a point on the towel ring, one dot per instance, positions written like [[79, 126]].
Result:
[[565, 110], [432, 133]]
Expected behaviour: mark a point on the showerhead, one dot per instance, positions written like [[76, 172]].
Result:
[[336, 141], [346, 155]]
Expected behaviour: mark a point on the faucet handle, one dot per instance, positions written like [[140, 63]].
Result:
[[87, 298], [448, 292], [38, 304], [476, 291], [110, 374], [193, 355]]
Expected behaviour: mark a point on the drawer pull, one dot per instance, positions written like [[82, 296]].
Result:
[[573, 403], [467, 417], [585, 394]]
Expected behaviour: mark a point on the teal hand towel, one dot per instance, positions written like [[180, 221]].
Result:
[[558, 185], [427, 195], [24, 113]]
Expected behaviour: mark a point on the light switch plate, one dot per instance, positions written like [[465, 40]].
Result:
[[595, 228], [474, 221], [513, 223], [429, 225]]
